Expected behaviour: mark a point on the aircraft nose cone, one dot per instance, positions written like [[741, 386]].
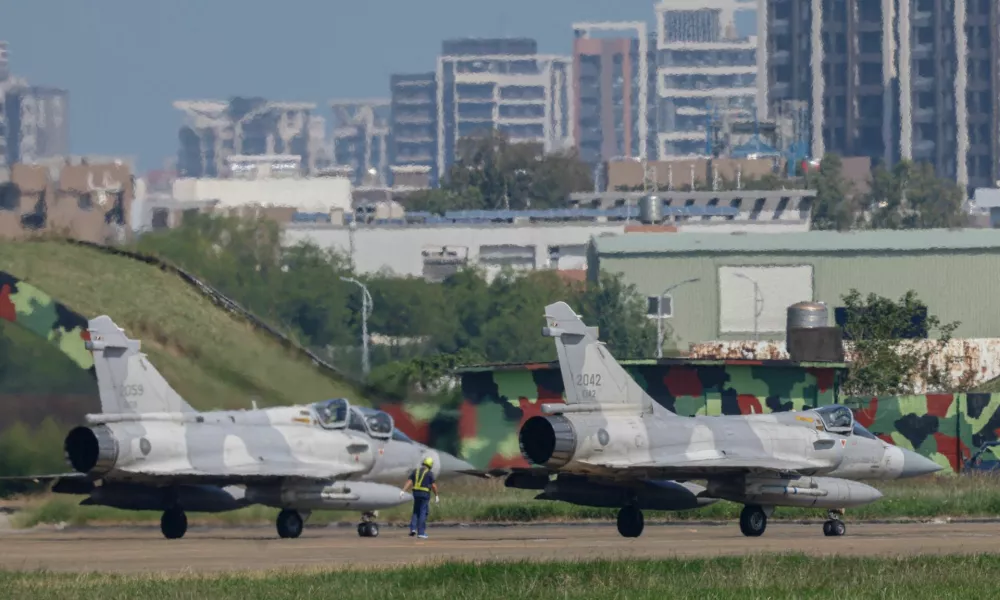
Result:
[[915, 465], [452, 466]]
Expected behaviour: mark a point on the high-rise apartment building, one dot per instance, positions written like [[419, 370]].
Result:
[[361, 140], [217, 129], [37, 123], [614, 84], [502, 84], [34, 119], [4, 62], [413, 144], [707, 72], [892, 79]]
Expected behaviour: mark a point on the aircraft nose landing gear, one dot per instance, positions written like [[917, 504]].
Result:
[[753, 520], [834, 527], [289, 524], [173, 523], [368, 527], [630, 521]]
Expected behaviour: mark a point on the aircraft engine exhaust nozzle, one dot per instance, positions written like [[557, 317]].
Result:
[[548, 441], [91, 450]]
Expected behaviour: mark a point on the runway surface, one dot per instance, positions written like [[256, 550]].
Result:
[[132, 550]]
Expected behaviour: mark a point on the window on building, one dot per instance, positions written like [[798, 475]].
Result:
[[10, 196], [653, 306]]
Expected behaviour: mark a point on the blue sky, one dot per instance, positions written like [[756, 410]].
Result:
[[125, 61]]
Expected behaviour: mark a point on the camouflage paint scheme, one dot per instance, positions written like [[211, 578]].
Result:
[[29, 307], [498, 399]]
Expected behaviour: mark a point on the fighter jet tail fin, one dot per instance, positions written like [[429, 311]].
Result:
[[590, 374], [127, 382]]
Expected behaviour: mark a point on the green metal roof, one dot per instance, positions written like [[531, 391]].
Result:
[[884, 240]]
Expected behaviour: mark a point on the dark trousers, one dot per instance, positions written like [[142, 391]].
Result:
[[418, 522]]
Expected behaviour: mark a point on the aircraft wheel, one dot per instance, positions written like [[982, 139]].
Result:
[[289, 524], [368, 529], [753, 521], [834, 528], [173, 523], [630, 522]]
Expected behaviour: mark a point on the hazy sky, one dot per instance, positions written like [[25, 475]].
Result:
[[125, 61]]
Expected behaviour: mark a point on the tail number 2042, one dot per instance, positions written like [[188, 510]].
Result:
[[588, 380]]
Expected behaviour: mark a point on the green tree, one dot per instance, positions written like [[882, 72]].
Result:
[[491, 172], [512, 332], [440, 200], [834, 207], [881, 332], [619, 312], [308, 296], [911, 196]]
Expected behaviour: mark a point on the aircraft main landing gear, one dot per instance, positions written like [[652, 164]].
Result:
[[289, 523], [834, 527], [753, 520], [368, 527], [630, 521], [173, 523]]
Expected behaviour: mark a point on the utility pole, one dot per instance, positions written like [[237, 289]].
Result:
[[659, 314], [366, 309]]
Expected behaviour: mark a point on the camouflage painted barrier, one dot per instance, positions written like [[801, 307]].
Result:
[[947, 428], [29, 307]]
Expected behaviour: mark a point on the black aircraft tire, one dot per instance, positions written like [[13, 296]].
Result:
[[838, 528], [753, 521], [630, 522], [289, 524], [173, 524], [834, 528], [372, 529]]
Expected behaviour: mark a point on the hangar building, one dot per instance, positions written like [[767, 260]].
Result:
[[955, 272]]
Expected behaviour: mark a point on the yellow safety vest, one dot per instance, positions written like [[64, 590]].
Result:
[[418, 480]]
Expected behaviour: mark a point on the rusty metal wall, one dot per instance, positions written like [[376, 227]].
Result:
[[972, 361]]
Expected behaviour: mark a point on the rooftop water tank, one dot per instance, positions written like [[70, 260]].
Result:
[[808, 338], [807, 315], [650, 209]]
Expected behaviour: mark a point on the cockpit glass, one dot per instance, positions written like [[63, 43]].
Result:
[[399, 436], [859, 429], [379, 423], [836, 416], [331, 412], [357, 422]]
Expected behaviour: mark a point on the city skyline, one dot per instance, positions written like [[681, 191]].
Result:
[[148, 74]]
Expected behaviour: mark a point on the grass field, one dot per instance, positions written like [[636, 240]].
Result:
[[774, 576], [211, 358], [478, 501]]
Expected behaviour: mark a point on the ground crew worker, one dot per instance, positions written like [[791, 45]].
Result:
[[422, 481]]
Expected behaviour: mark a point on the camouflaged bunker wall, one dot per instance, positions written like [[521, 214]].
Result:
[[497, 400]]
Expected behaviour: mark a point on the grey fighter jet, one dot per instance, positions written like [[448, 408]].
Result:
[[150, 450], [611, 444]]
